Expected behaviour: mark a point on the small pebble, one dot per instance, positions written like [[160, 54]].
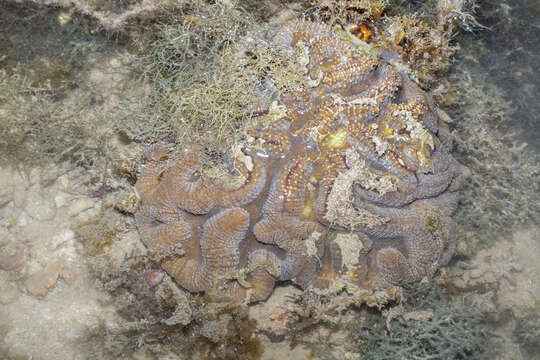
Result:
[[154, 277], [475, 273], [60, 239], [115, 63], [9, 293], [127, 203], [62, 199], [67, 275], [23, 220], [79, 205], [40, 282], [40, 208], [12, 256]]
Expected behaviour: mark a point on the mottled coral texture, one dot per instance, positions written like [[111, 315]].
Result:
[[349, 179]]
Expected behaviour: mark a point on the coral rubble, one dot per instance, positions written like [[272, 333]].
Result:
[[357, 162]]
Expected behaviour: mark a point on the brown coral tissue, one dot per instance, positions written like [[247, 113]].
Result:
[[350, 179]]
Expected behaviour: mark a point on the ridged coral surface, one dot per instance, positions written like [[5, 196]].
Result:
[[350, 179]]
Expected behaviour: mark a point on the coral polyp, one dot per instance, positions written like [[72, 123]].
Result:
[[350, 179]]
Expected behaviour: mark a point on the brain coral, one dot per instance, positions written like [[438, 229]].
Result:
[[350, 179]]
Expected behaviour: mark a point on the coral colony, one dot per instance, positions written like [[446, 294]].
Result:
[[347, 181]]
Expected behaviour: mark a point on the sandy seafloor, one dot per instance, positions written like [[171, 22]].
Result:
[[50, 301]]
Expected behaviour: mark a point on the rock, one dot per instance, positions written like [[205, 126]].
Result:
[[19, 197], [126, 202], [6, 195], [215, 330], [9, 186], [182, 315]]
